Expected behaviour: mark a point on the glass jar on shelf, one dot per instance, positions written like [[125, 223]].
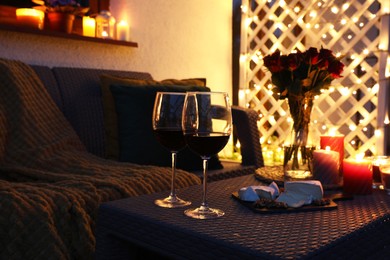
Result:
[[105, 25]]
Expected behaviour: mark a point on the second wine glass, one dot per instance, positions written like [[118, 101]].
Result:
[[207, 125], [167, 115]]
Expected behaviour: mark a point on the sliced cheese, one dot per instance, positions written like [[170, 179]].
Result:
[[311, 188], [299, 193]]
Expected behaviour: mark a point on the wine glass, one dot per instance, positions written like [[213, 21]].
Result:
[[167, 116], [207, 125]]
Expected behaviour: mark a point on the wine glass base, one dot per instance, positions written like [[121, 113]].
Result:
[[204, 213], [171, 202]]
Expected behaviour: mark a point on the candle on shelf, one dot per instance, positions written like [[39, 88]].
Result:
[[357, 175], [89, 26], [122, 31], [326, 166], [30, 17], [336, 143]]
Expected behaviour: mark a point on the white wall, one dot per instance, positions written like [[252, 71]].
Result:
[[176, 38]]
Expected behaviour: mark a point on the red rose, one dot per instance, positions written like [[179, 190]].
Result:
[[335, 68], [324, 58], [273, 62], [293, 61], [311, 56]]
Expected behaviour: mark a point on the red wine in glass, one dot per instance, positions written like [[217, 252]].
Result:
[[207, 125], [167, 115]]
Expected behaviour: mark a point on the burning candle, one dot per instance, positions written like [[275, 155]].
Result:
[[30, 17], [385, 173], [357, 176], [122, 30], [336, 143], [377, 161], [326, 166], [89, 26]]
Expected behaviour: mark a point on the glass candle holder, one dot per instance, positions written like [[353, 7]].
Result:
[[105, 25]]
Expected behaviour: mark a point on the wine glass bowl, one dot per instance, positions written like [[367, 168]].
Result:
[[207, 125], [166, 121]]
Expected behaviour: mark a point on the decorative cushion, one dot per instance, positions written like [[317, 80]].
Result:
[[110, 118], [137, 143]]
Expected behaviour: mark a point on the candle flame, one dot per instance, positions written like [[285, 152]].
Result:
[[359, 156]]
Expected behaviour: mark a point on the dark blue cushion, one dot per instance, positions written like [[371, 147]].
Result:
[[137, 143]]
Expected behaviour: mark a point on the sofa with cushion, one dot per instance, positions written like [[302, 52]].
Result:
[[72, 138]]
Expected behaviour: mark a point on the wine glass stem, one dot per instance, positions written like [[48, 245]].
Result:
[[205, 167], [173, 175]]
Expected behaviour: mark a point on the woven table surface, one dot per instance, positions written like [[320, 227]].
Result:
[[242, 233]]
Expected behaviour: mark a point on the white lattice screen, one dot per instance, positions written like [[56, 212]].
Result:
[[357, 29]]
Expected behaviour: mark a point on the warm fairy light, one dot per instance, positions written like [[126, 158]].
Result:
[[244, 9], [361, 24], [241, 94], [313, 14], [243, 58], [349, 37], [354, 92], [387, 71], [316, 26], [324, 36], [335, 9], [353, 57], [378, 133], [355, 19], [323, 127], [308, 25], [353, 142], [282, 3], [269, 86], [358, 81], [343, 21], [366, 51], [345, 6], [297, 9], [387, 120], [272, 120], [352, 127], [364, 129], [257, 87], [327, 148], [331, 89], [344, 91]]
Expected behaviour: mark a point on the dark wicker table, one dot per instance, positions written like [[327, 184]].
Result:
[[357, 229]]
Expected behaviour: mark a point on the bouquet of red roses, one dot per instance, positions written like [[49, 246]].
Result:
[[302, 72]]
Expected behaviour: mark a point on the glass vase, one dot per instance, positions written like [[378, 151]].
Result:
[[297, 163]]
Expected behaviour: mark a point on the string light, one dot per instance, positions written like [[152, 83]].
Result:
[[300, 16]]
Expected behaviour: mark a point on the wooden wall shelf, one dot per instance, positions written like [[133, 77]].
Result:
[[77, 37]]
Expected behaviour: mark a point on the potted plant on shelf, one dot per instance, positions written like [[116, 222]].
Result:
[[61, 13]]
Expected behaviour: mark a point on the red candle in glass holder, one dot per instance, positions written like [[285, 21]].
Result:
[[357, 176], [335, 143]]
